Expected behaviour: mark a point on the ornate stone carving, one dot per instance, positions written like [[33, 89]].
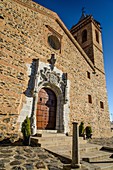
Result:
[[48, 75], [54, 78]]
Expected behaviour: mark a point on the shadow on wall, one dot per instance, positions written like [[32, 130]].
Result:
[[32, 77]]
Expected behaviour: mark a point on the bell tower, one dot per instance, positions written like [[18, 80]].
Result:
[[87, 32]]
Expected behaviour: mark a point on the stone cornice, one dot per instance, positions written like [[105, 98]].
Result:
[[84, 22], [99, 28], [35, 7], [80, 24]]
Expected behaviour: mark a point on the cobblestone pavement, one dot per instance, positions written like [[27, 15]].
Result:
[[27, 158], [35, 158]]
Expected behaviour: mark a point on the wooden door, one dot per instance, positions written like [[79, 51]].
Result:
[[46, 109]]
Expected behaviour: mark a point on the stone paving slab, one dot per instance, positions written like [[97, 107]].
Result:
[[27, 158]]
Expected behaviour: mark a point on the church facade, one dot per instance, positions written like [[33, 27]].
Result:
[[53, 75]]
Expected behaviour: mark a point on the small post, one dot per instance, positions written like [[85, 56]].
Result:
[[75, 147]]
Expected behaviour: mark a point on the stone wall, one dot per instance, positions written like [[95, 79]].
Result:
[[24, 31]]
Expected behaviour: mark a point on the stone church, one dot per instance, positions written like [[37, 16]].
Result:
[[53, 75]]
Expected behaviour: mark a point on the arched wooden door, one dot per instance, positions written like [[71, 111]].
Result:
[[46, 109]]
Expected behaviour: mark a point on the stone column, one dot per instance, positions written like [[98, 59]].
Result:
[[75, 147], [33, 116], [35, 97]]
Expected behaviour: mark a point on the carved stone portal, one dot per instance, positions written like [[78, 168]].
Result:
[[46, 75], [56, 81]]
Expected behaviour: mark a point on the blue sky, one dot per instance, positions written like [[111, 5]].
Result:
[[70, 11]]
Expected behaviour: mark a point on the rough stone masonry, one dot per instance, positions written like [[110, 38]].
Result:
[[28, 33]]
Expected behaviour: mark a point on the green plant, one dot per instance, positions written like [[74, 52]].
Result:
[[81, 129], [88, 132], [26, 131]]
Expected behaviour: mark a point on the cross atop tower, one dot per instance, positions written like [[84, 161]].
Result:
[[83, 10], [83, 14]]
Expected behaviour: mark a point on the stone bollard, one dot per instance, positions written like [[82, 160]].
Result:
[[75, 147]]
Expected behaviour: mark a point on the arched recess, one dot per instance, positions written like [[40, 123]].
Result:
[[46, 109], [97, 36], [59, 124], [84, 36]]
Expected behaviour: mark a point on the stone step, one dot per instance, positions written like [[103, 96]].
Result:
[[64, 150], [59, 139], [51, 134], [51, 141], [89, 147], [48, 132], [52, 138], [95, 156], [104, 164], [68, 146], [67, 149], [90, 153]]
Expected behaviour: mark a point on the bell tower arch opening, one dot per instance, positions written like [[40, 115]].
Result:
[[84, 36]]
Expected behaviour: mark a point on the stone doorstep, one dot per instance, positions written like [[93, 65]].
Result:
[[50, 134], [45, 132], [51, 137]]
